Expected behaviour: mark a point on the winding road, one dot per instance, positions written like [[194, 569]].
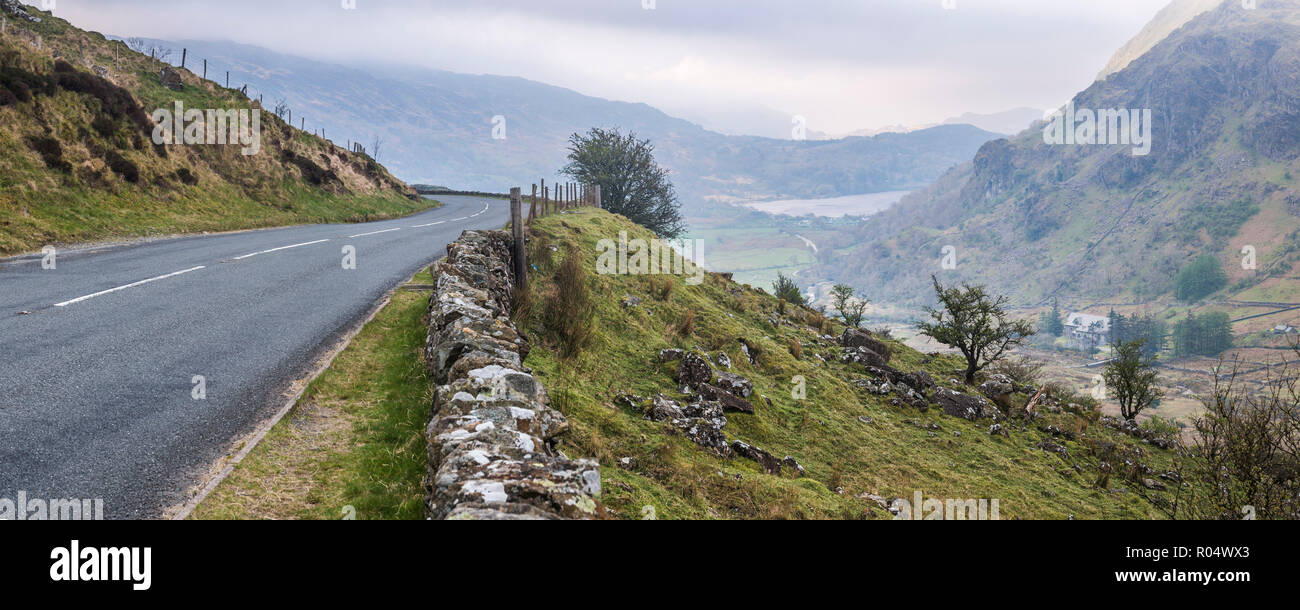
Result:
[[101, 357]]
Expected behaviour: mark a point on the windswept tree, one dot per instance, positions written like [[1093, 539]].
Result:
[[787, 290], [1131, 378], [631, 182], [851, 308], [974, 323]]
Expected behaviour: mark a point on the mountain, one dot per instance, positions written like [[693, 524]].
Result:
[[437, 128], [1102, 223], [79, 159], [1173, 16], [1008, 122]]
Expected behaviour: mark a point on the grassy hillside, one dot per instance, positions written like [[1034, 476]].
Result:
[[1089, 224], [851, 441], [78, 163]]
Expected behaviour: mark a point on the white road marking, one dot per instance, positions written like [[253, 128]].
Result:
[[375, 232], [429, 225], [132, 285], [460, 219], [240, 258]]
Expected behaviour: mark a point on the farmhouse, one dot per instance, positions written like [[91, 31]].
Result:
[[1086, 331]]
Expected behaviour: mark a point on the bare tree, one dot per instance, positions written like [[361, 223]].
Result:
[[281, 107], [376, 146], [1244, 460]]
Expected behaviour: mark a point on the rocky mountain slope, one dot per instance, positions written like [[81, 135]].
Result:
[[1173, 16], [1090, 223], [78, 158], [712, 401], [438, 128]]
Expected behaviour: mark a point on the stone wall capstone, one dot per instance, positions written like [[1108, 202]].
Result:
[[491, 433]]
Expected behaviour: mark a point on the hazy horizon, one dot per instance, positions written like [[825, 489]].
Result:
[[732, 66]]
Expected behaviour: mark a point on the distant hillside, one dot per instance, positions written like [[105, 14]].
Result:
[[437, 128], [78, 160], [1098, 223]]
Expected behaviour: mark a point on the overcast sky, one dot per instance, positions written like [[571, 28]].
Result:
[[842, 64]]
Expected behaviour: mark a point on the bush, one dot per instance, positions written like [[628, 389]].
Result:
[[1021, 369], [123, 167], [186, 176], [116, 101], [569, 314], [787, 290], [50, 151]]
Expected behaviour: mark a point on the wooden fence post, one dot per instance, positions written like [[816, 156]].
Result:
[[205, 69], [517, 228], [543, 211], [184, 53], [227, 79], [598, 204], [532, 206]]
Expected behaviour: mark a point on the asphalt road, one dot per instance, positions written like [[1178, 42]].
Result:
[[97, 378]]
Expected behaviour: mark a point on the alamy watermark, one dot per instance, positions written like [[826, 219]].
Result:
[[1083, 126], [24, 508], [921, 508], [651, 257], [209, 127]]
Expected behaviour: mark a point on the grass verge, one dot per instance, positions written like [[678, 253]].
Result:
[[353, 445]]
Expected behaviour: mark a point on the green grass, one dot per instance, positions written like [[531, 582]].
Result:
[[890, 457], [354, 439]]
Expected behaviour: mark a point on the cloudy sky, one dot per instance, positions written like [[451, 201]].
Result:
[[843, 64]]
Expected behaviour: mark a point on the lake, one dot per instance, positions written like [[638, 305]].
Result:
[[854, 205]]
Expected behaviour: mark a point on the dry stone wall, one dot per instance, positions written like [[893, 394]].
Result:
[[491, 451]]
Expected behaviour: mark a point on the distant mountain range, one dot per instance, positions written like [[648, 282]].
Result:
[[437, 127], [1097, 222], [1008, 122]]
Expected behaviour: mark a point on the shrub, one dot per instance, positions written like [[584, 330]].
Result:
[[796, 349], [787, 290], [1020, 369], [186, 176], [50, 151], [123, 167], [687, 327], [569, 314]]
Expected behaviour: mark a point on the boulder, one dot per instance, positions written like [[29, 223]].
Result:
[[170, 79], [770, 464], [961, 405], [858, 338], [793, 464], [863, 356], [670, 355], [730, 402], [999, 389], [735, 384], [920, 381], [1153, 484], [693, 371]]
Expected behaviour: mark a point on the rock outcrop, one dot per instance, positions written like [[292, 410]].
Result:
[[492, 427]]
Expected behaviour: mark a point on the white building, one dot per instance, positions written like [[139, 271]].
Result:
[[1087, 331]]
